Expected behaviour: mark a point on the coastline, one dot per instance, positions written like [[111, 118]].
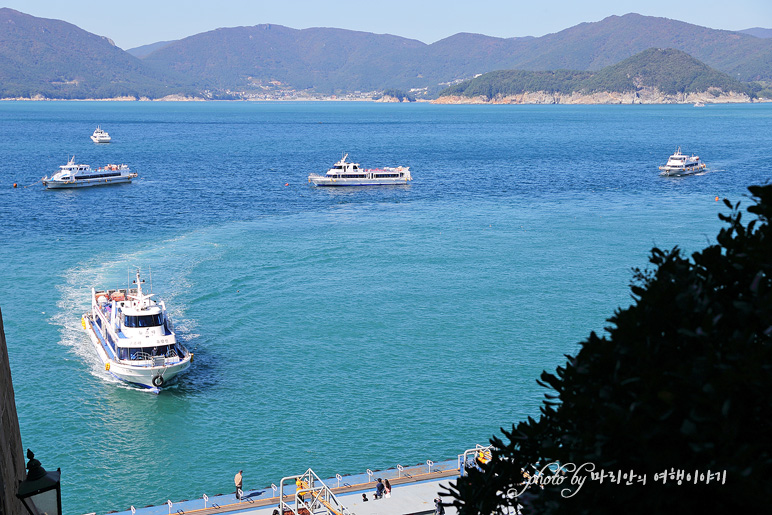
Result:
[[644, 96], [531, 98]]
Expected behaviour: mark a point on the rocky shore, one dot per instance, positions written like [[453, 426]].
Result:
[[642, 96]]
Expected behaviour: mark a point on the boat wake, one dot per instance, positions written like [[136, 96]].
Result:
[[176, 257]]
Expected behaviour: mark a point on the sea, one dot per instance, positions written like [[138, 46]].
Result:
[[339, 329]]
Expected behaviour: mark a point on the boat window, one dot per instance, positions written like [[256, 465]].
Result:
[[143, 320], [146, 353], [160, 350]]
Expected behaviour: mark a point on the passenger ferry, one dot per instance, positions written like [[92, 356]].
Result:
[[74, 175], [344, 173], [681, 164], [100, 136], [134, 337]]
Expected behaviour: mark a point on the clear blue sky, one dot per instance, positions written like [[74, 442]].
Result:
[[138, 22]]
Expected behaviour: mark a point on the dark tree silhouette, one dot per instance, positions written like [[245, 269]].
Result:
[[681, 382]]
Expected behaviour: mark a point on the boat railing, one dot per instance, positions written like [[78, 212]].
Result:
[[154, 360]]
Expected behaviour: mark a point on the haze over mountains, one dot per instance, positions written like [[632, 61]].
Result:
[[58, 60]]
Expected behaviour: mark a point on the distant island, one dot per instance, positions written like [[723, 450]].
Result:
[[654, 76], [44, 59]]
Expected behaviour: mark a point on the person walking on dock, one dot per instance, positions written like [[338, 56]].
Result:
[[239, 482]]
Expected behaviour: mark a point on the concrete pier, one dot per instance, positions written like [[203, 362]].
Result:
[[413, 492]]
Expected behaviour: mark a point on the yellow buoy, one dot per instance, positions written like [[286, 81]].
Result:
[[716, 199]]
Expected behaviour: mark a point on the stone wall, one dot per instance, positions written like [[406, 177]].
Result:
[[12, 469]]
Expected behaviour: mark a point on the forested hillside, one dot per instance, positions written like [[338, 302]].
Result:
[[55, 59], [670, 71]]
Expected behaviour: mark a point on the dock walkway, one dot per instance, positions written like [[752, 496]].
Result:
[[413, 492]]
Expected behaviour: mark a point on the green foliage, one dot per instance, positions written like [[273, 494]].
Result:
[[669, 70], [515, 82], [55, 59], [681, 382], [399, 95]]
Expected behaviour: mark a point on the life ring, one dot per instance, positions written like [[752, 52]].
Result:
[[107, 366], [158, 381]]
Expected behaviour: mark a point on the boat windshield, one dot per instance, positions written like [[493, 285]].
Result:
[[143, 320]]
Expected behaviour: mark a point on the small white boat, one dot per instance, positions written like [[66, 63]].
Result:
[[134, 337], [74, 175], [699, 104], [681, 164], [100, 136], [344, 173]]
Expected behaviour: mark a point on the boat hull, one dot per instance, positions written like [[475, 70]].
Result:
[[84, 183], [676, 172], [145, 375], [100, 140], [324, 181]]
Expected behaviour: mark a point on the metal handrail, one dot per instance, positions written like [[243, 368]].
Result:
[[320, 496], [462, 461]]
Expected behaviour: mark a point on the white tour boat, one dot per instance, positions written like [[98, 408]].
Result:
[[681, 164], [134, 337], [74, 175], [100, 136], [344, 173]]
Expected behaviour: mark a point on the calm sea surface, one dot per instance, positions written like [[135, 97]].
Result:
[[337, 329]]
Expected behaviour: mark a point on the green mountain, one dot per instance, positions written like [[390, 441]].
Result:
[[757, 32], [56, 59], [592, 46], [145, 50], [330, 60], [670, 71], [327, 60]]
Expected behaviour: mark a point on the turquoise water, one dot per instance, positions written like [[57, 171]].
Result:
[[334, 329]]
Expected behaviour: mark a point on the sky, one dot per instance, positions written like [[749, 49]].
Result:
[[140, 22]]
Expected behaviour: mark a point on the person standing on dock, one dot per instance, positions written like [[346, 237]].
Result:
[[239, 482]]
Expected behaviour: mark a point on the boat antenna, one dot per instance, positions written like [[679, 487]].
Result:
[[150, 272]]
